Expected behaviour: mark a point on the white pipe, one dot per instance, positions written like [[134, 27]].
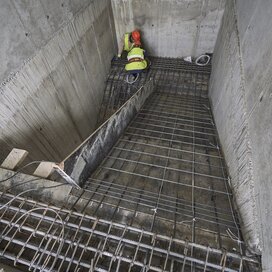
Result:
[[201, 56]]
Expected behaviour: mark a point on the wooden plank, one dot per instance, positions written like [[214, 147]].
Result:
[[14, 158], [44, 169], [50, 170]]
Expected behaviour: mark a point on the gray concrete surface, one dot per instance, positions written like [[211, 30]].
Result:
[[171, 28], [32, 24], [240, 91], [51, 103]]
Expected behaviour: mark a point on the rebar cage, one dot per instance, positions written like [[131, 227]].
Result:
[[160, 200]]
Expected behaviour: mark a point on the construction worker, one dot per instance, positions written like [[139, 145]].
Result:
[[128, 41], [135, 55]]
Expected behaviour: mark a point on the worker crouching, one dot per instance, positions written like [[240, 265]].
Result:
[[132, 48]]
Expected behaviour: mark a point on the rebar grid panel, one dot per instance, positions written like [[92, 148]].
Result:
[[166, 174], [49, 238], [169, 64], [167, 169], [163, 70], [160, 200]]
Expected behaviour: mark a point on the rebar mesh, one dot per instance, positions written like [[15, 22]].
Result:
[[50, 238], [160, 201]]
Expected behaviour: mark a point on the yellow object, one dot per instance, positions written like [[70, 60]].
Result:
[[136, 66], [127, 44], [136, 53]]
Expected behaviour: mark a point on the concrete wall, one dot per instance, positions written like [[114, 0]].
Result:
[[171, 28], [28, 25], [55, 56], [241, 95]]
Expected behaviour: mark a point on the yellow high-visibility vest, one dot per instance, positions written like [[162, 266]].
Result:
[[137, 53], [127, 44]]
